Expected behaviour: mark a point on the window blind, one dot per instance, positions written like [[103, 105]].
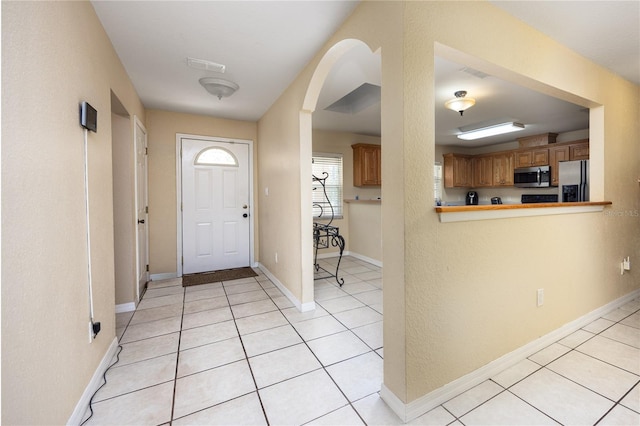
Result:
[[331, 164]]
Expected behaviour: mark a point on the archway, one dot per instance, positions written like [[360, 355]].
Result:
[[310, 103]]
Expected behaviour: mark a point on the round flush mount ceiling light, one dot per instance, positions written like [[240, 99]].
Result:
[[218, 86], [460, 103]]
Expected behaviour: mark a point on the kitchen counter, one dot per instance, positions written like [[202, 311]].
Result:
[[502, 211], [361, 201]]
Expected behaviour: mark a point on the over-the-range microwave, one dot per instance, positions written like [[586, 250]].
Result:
[[532, 177]]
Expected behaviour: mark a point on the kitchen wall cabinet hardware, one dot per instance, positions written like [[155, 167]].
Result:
[[532, 157], [557, 154], [458, 171], [367, 160], [503, 169], [482, 167], [579, 151]]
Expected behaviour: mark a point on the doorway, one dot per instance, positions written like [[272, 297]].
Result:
[[214, 200]]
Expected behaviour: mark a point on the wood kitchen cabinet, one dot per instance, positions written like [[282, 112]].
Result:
[[367, 160], [532, 157], [458, 171], [482, 167], [503, 169], [557, 154], [579, 151]]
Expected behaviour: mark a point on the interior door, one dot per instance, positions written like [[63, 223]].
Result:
[[142, 240], [215, 205]]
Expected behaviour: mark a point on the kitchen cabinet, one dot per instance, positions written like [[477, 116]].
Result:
[[579, 151], [503, 169], [557, 154], [532, 157], [482, 167], [367, 160], [458, 171]]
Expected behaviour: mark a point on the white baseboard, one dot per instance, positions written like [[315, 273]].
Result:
[[165, 276], [302, 307], [428, 402], [366, 259], [94, 384], [125, 307]]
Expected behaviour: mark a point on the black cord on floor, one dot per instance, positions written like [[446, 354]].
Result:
[[104, 378]]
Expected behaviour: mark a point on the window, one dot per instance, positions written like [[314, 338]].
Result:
[[437, 183], [331, 164], [215, 157]]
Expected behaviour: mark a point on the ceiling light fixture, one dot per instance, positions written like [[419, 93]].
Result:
[[219, 87], [460, 103], [496, 129]]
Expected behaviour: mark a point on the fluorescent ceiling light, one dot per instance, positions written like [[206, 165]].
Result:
[[497, 129]]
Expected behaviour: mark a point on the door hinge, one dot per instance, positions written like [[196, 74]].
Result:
[[182, 260], [146, 209], [147, 268], [146, 151]]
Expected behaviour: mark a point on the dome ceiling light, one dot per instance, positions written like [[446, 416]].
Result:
[[460, 103], [218, 86]]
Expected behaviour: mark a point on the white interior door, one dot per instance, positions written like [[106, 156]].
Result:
[[142, 239], [215, 205]]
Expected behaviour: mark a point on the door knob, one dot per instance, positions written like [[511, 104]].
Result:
[[245, 215], [245, 206], [140, 220]]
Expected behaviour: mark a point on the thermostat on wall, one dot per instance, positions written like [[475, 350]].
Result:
[[88, 117]]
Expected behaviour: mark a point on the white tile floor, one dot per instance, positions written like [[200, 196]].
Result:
[[239, 353]]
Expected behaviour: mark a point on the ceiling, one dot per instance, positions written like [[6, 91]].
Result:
[[253, 39]]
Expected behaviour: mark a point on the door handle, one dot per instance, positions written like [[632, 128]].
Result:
[[141, 221], [245, 215], [245, 207]]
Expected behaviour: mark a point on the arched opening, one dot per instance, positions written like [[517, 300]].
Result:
[[350, 59]]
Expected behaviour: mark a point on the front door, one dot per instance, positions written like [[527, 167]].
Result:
[[215, 205]]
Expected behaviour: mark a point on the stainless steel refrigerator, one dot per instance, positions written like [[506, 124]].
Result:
[[573, 178]]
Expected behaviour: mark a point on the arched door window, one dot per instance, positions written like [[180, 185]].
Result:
[[215, 157]]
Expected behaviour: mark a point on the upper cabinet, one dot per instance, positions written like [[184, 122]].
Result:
[[532, 157], [458, 171], [496, 169], [367, 160]]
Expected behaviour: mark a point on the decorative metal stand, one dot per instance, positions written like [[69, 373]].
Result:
[[326, 235]]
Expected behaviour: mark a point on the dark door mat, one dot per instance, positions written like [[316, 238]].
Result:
[[217, 276]]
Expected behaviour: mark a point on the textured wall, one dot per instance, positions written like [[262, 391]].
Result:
[[55, 55]]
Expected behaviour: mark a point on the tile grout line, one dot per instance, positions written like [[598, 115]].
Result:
[[244, 350], [175, 377]]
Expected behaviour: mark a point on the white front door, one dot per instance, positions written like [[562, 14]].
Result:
[[142, 239], [215, 205]]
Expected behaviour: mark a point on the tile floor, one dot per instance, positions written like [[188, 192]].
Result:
[[239, 353]]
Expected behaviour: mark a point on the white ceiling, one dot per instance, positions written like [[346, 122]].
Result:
[[265, 44]]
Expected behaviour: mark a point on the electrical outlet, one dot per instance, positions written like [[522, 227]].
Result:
[[626, 264], [540, 296]]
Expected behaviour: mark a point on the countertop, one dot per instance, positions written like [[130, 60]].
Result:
[[503, 211]]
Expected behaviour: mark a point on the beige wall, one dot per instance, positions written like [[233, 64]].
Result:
[[55, 55], [340, 143], [452, 290], [162, 127], [365, 229]]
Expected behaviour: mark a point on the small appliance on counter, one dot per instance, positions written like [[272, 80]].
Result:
[[573, 178], [472, 198], [496, 200]]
